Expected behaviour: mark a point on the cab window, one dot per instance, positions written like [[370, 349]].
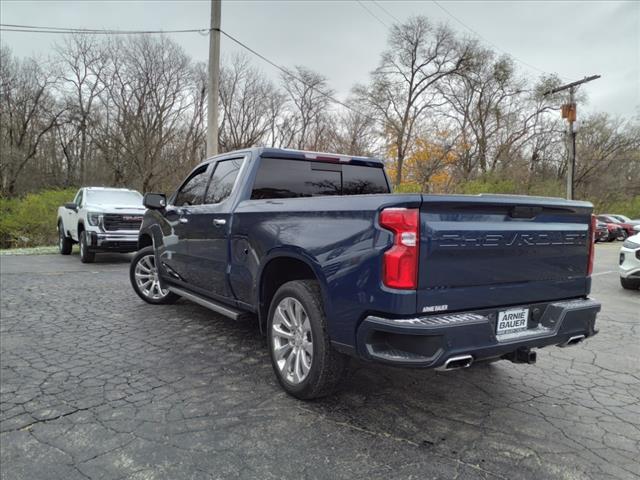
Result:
[[192, 191], [223, 180]]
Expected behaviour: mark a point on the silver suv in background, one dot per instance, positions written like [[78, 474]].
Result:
[[100, 220], [630, 261]]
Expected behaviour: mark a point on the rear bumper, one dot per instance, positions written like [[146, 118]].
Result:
[[113, 242], [429, 341]]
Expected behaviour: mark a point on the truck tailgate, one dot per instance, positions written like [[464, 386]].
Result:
[[492, 250]]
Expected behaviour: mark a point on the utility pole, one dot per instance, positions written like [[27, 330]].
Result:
[[213, 78], [570, 113]]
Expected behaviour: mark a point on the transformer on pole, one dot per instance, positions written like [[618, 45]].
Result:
[[569, 112]]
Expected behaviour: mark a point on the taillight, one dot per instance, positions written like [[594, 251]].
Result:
[[400, 262], [592, 244]]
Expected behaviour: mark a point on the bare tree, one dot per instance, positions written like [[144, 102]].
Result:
[[354, 133], [276, 107], [403, 88], [481, 102], [193, 142], [28, 111], [308, 98], [247, 99], [608, 156], [145, 95], [82, 60]]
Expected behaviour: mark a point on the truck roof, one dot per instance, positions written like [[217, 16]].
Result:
[[111, 189], [287, 153]]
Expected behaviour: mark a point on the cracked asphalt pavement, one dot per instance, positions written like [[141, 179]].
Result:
[[97, 384]]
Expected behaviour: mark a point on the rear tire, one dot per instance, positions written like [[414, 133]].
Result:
[[305, 363], [65, 245], [143, 275], [630, 283], [85, 255]]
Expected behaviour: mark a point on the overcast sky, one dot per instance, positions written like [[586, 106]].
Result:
[[343, 40]]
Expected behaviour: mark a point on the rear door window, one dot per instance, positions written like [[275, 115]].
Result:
[[279, 178], [223, 180]]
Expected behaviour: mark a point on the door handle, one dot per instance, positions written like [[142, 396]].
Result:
[[218, 222], [183, 220]]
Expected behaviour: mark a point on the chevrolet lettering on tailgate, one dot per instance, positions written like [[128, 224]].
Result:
[[511, 239]]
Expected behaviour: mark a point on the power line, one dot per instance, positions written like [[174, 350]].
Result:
[[383, 23], [287, 72], [486, 40], [379, 5], [90, 31], [7, 27]]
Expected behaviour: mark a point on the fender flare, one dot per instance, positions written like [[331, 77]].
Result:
[[152, 232], [288, 251], [65, 230]]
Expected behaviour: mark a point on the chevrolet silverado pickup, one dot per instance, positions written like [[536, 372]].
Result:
[[332, 265], [100, 220]]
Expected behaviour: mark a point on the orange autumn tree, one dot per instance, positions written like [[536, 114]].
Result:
[[427, 168]]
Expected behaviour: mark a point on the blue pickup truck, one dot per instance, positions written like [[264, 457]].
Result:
[[332, 265]]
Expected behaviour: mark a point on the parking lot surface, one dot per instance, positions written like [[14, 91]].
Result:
[[97, 384]]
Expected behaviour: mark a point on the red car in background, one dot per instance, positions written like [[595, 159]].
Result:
[[602, 233], [619, 230], [623, 218]]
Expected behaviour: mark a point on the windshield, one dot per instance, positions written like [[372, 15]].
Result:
[[622, 218], [114, 197]]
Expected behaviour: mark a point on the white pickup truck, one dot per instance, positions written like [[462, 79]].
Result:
[[100, 220]]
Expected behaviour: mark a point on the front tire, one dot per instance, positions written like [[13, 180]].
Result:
[[144, 279], [64, 243], [85, 255], [305, 363], [630, 283]]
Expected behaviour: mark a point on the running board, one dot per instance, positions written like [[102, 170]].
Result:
[[229, 312]]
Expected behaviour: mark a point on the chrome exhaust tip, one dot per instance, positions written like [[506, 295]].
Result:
[[454, 363], [576, 339]]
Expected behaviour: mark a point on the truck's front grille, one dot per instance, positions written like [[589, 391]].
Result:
[[113, 221]]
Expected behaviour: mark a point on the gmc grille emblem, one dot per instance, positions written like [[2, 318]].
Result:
[[130, 218]]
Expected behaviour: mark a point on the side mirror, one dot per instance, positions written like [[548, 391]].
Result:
[[637, 228], [155, 201], [71, 206]]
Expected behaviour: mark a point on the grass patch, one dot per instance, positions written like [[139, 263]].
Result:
[[30, 221], [30, 251]]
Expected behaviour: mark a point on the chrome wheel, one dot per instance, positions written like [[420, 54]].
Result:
[[146, 275], [292, 340]]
